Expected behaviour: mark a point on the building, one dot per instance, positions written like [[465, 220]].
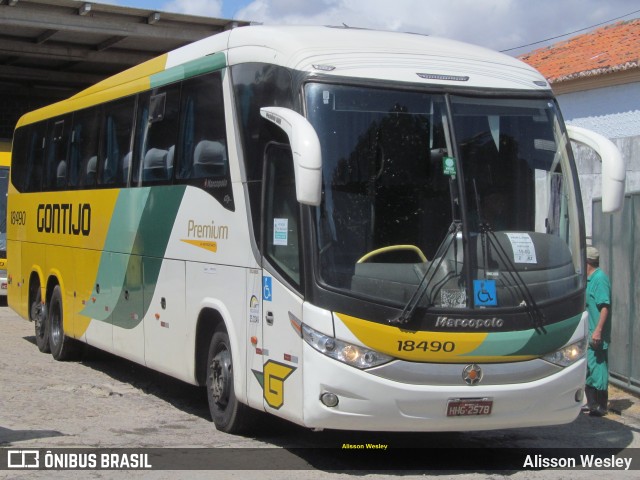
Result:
[[596, 78]]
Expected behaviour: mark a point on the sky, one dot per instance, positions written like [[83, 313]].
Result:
[[496, 24]]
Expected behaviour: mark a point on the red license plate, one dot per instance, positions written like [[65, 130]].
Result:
[[459, 407]]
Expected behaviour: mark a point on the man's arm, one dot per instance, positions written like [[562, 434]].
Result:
[[604, 315]]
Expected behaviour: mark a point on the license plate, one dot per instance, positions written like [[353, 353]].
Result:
[[458, 407]]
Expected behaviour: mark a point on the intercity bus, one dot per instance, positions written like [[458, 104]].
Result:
[[5, 163], [344, 228]]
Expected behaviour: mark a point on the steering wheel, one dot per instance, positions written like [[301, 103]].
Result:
[[392, 248]]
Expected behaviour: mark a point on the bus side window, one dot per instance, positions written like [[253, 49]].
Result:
[[116, 142], [19, 160], [281, 213], [204, 159], [158, 136], [58, 137], [257, 85], [84, 144], [27, 157]]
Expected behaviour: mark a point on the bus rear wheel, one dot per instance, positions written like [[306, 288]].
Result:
[[62, 347], [38, 315], [227, 413]]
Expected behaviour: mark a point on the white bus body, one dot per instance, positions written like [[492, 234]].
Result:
[[383, 297]]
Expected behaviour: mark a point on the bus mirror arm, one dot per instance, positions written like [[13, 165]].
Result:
[[613, 167], [305, 148]]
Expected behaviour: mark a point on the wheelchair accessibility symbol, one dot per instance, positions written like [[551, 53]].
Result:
[[266, 289], [484, 293]]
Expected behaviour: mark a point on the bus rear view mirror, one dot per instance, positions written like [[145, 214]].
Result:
[[613, 167], [305, 147]]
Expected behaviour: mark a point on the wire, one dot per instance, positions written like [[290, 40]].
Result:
[[570, 33]]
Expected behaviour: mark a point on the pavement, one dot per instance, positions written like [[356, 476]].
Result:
[[623, 402], [104, 402]]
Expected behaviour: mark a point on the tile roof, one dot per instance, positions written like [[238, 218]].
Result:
[[608, 49]]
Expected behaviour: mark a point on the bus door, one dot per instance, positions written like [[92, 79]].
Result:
[[281, 287]]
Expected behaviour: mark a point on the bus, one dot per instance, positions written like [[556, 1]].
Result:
[[347, 229], [5, 163]]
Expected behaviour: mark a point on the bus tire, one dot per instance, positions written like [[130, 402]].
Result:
[[38, 315], [227, 413], [62, 347]]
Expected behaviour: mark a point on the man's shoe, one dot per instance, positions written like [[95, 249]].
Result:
[[599, 408]]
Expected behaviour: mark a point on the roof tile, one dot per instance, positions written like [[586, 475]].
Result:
[[608, 49]]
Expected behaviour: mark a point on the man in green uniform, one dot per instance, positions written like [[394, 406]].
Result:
[[599, 309]]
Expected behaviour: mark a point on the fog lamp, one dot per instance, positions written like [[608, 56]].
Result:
[[329, 399]]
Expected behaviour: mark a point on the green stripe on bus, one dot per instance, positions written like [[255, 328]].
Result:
[[156, 223], [551, 338], [139, 231], [149, 248], [207, 64], [121, 238], [125, 219], [528, 342]]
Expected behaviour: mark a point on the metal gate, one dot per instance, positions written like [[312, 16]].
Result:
[[618, 239]]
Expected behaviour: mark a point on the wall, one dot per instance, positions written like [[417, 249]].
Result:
[[618, 239], [590, 172], [615, 113], [610, 111]]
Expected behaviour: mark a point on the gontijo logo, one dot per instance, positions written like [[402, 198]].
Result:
[[64, 218]]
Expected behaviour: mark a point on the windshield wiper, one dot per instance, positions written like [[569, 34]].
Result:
[[535, 313], [488, 237], [410, 308]]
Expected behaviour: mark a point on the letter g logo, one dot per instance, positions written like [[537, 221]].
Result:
[[274, 376]]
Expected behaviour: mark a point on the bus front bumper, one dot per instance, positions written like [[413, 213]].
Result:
[[368, 402]]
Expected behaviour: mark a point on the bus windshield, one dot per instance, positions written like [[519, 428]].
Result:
[[471, 200]]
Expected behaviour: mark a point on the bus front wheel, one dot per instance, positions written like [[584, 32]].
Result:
[[227, 413]]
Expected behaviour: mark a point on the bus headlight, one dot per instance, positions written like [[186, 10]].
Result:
[[354, 355], [567, 355]]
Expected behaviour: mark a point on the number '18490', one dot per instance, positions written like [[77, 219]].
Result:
[[18, 217], [425, 346]]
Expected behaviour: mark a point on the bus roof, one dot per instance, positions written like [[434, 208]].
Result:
[[393, 56], [331, 51]]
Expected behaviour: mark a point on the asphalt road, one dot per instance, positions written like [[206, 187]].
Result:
[[104, 402]]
